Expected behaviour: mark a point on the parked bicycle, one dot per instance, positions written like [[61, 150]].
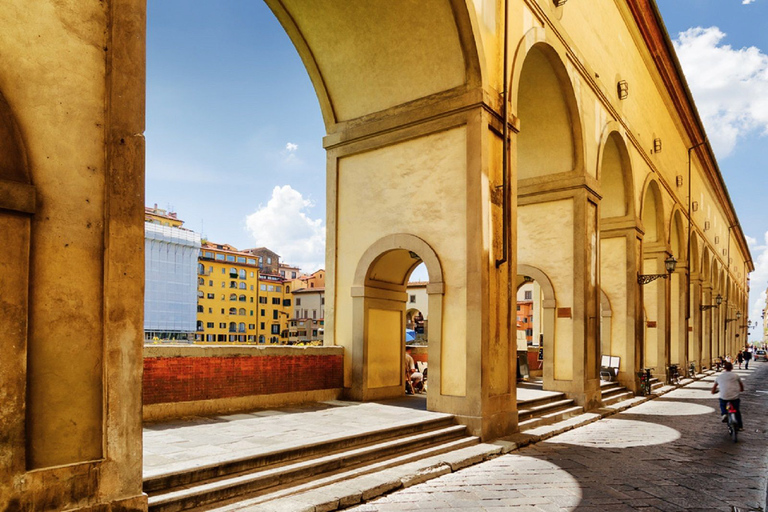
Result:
[[645, 381], [692, 370], [674, 375]]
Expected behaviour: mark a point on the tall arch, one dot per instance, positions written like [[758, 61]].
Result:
[[550, 138], [379, 308], [551, 344], [17, 205], [367, 57], [678, 292], [619, 250]]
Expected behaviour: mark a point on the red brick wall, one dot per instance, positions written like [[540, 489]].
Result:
[[182, 379]]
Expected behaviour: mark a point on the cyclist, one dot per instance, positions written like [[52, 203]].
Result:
[[729, 385]]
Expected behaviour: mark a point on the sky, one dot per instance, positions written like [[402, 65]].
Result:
[[234, 130]]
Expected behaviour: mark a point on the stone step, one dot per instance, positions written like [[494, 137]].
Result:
[[617, 397], [248, 483], [549, 417], [616, 390], [349, 488], [249, 462], [535, 402], [538, 409]]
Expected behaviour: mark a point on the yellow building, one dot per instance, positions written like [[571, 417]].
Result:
[[274, 303], [159, 216], [227, 295]]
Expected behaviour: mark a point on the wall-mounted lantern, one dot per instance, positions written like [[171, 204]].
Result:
[[718, 301], [623, 89], [670, 264]]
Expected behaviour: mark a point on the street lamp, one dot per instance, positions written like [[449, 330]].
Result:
[[738, 317], [669, 264], [718, 301]]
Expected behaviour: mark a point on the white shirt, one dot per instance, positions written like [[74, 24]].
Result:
[[728, 384]]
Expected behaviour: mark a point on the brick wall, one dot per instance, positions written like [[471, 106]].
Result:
[[192, 373]]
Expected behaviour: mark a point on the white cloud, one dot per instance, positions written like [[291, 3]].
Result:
[[291, 147], [728, 85], [758, 280], [747, 2], [284, 226]]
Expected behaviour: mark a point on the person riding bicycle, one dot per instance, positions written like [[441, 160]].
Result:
[[729, 385]]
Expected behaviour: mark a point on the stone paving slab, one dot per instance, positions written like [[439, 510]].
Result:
[[670, 453], [180, 445]]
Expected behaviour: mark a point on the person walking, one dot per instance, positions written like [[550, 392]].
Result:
[[740, 358], [747, 358]]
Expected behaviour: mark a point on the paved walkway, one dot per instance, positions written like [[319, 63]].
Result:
[[668, 454]]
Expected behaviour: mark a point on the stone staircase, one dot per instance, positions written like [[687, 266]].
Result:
[[613, 392], [278, 474], [546, 410]]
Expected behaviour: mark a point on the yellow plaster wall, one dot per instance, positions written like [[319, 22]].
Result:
[[385, 347], [651, 307], [56, 88], [613, 278], [545, 235], [437, 163], [363, 51]]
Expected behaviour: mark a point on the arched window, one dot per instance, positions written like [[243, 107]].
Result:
[[233, 297], [287, 289], [233, 284], [242, 298], [201, 281], [201, 269], [243, 286], [233, 273], [242, 273], [200, 294], [261, 338], [232, 327], [241, 327], [242, 311], [232, 311]]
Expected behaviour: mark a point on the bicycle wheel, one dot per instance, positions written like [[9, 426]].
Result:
[[733, 427]]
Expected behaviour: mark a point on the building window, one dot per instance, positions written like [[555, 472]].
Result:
[[233, 284], [200, 308], [242, 298], [232, 311], [287, 303], [263, 287], [210, 282], [223, 270], [243, 286], [223, 284], [263, 313], [251, 287], [201, 269], [274, 314], [412, 299], [222, 325], [262, 300], [210, 310], [232, 327], [233, 296], [251, 300], [269, 261], [242, 273], [528, 295], [251, 312], [201, 281], [211, 296], [322, 301], [230, 258], [262, 326], [275, 301], [261, 339], [241, 327], [518, 308], [210, 325], [275, 329], [251, 326], [222, 311], [298, 301], [241, 311]]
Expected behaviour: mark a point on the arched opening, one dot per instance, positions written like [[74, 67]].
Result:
[[655, 345], [545, 144], [678, 353], [380, 305], [618, 258], [539, 352]]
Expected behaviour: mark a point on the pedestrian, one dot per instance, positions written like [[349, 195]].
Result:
[[740, 358], [747, 357]]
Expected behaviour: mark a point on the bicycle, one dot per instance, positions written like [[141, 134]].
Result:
[[692, 370], [733, 420], [674, 374], [645, 381]]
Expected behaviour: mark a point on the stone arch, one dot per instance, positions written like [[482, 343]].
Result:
[[379, 306], [367, 57], [606, 315], [548, 321], [17, 205], [652, 212], [678, 327], [614, 172], [695, 263], [542, 96]]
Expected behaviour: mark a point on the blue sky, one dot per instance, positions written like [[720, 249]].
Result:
[[234, 131]]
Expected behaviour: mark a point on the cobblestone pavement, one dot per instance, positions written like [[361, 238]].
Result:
[[668, 454]]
